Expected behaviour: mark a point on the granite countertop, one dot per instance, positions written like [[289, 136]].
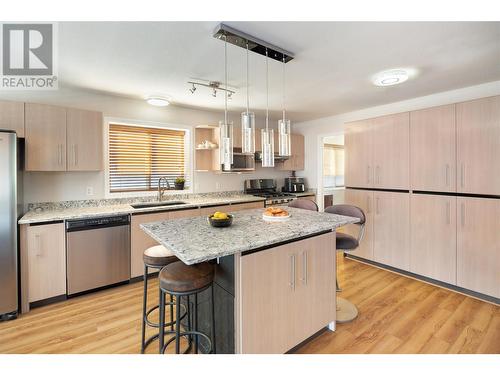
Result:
[[83, 209], [193, 240]]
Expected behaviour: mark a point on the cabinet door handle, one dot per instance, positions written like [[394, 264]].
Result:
[[378, 174], [59, 154], [462, 175], [304, 268], [447, 175], [462, 213], [292, 272], [377, 211], [368, 174], [75, 157], [38, 247], [448, 212], [368, 204]]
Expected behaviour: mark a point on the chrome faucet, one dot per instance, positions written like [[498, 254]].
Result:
[[161, 190]]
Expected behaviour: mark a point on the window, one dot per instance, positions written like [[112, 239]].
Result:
[[139, 156], [333, 165]]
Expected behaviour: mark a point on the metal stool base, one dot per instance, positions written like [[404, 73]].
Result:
[[346, 311]]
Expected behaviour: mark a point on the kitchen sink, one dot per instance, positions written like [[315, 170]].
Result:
[[157, 204]]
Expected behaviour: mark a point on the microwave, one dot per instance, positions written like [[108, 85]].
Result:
[[242, 162]]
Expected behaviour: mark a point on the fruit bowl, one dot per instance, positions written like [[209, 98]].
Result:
[[220, 223]]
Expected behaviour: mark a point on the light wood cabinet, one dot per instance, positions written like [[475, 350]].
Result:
[[84, 135], [478, 245], [478, 146], [296, 161], [12, 117], [46, 261], [433, 237], [391, 151], [358, 154], [391, 227], [364, 200], [299, 280], [433, 151], [45, 133], [245, 206]]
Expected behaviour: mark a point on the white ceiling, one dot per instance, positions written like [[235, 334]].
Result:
[[329, 75]]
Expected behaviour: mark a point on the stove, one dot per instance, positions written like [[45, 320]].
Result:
[[266, 188]]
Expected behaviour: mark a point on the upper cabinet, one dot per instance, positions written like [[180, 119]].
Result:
[[12, 117], [60, 139], [391, 151], [84, 140], [433, 151], [377, 152], [358, 154], [297, 160], [478, 146], [45, 131]]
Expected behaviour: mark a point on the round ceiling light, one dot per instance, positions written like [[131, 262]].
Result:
[[158, 101], [390, 77]]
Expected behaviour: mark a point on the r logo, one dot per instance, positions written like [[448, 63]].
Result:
[[27, 49]]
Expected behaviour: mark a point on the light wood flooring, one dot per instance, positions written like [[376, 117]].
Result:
[[396, 315]]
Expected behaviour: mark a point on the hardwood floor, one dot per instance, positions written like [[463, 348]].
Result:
[[396, 315]]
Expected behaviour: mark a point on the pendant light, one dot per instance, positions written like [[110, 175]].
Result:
[[247, 125], [284, 128], [226, 127], [267, 134]]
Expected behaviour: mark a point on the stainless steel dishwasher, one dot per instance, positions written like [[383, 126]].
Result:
[[98, 252]]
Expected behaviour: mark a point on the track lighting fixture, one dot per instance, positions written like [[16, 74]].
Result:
[[193, 89]]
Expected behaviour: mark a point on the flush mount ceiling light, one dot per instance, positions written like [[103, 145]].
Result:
[[391, 77], [158, 101]]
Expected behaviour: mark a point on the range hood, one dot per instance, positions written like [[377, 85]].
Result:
[[277, 157]]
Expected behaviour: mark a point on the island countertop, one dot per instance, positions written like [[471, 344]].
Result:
[[193, 240]]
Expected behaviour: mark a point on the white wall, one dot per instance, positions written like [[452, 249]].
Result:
[[315, 130], [58, 186]]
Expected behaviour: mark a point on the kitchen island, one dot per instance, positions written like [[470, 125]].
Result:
[[275, 281]]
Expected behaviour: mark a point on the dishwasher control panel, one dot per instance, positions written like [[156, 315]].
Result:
[[108, 221]]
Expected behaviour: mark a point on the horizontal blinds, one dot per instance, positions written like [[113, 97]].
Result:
[[139, 156]]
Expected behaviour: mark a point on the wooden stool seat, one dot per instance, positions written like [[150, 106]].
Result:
[[158, 256], [180, 278]]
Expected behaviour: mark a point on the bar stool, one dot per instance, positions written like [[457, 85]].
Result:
[[305, 204], [180, 280], [347, 311], [155, 257]]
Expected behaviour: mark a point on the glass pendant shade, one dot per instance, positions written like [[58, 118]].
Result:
[[284, 138], [267, 136], [226, 145], [248, 132]]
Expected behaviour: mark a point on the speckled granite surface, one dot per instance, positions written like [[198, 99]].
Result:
[[44, 212], [193, 240]]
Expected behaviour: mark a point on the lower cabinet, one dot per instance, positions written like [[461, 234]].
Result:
[[391, 227], [364, 200], [45, 258], [478, 245], [299, 298], [434, 237]]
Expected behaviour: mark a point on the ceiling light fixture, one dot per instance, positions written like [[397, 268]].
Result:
[[193, 89], [225, 127], [267, 135], [214, 85], [247, 125], [158, 101], [284, 127], [390, 77]]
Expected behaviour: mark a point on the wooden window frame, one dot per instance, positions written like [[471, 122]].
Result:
[[188, 157]]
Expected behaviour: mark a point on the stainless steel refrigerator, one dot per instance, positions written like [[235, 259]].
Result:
[[10, 205]]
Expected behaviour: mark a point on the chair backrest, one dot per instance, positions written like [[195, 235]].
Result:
[[347, 210], [305, 204]]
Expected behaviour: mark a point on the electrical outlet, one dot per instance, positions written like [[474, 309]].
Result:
[[90, 191]]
